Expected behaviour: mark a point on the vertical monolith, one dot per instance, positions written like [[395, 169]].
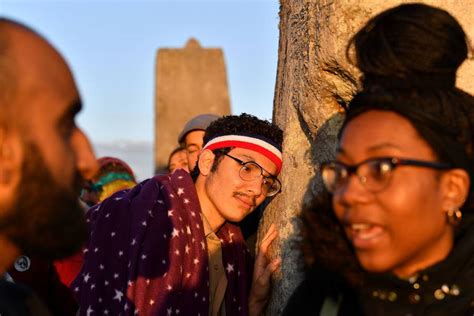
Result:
[[314, 83], [189, 81]]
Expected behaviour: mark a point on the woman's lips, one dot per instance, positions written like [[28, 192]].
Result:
[[364, 235]]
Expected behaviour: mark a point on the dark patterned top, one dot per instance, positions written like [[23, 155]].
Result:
[[147, 254]]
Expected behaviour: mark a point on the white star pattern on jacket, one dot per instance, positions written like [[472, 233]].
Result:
[[180, 250], [118, 295], [175, 233], [229, 268], [89, 311]]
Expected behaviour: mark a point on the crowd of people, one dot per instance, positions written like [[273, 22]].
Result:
[[392, 233]]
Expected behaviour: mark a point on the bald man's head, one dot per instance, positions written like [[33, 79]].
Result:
[[43, 153], [27, 61], [7, 66]]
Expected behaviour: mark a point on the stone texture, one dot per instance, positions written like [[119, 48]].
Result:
[[314, 82], [189, 81]]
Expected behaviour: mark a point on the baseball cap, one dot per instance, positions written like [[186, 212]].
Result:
[[200, 122]]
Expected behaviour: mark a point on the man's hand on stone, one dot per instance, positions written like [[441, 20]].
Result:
[[264, 267]]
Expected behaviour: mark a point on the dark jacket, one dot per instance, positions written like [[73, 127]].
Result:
[[40, 275], [18, 300], [447, 288]]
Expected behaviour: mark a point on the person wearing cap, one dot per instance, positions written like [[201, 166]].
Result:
[[192, 134], [169, 246]]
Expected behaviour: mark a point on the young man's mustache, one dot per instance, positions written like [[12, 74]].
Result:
[[252, 200]]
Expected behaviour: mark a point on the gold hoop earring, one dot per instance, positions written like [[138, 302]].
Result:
[[454, 216]]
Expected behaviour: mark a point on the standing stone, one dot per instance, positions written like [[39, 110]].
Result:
[[314, 83], [189, 81]]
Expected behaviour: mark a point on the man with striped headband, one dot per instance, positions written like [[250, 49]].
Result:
[[169, 246]]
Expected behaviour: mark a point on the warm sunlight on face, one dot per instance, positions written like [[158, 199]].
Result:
[[401, 228], [193, 144], [178, 160]]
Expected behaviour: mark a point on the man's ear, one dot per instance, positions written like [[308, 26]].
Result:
[[455, 185], [11, 157], [205, 161]]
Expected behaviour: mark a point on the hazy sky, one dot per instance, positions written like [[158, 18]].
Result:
[[111, 47]]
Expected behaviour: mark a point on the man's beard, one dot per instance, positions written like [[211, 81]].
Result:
[[45, 219]]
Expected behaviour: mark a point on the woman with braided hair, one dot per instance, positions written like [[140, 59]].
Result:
[[394, 234]]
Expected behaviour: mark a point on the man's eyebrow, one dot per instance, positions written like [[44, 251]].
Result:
[[249, 157], [192, 145], [74, 108], [383, 146], [253, 160]]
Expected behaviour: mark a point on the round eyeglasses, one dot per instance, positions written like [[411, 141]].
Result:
[[251, 171], [373, 173]]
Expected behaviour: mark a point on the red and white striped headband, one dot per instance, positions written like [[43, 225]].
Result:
[[252, 143]]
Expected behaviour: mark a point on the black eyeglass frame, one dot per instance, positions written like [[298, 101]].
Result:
[[243, 163], [393, 161]]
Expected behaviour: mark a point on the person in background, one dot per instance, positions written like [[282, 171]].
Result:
[[113, 175], [43, 157], [168, 246], [395, 235], [178, 160], [191, 137]]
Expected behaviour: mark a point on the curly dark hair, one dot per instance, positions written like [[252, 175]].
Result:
[[243, 124], [409, 56], [325, 246]]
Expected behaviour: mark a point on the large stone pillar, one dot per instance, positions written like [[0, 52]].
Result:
[[189, 81], [314, 82]]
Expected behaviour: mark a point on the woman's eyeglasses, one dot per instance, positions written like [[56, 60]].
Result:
[[373, 173], [251, 171]]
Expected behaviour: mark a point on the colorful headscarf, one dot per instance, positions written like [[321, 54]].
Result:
[[113, 175]]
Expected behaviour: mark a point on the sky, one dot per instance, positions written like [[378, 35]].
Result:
[[111, 47]]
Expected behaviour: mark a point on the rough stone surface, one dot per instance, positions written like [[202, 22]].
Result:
[[189, 81], [314, 82]]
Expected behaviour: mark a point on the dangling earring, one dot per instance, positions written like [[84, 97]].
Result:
[[453, 216]]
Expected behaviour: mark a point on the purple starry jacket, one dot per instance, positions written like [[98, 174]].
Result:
[[147, 254]]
